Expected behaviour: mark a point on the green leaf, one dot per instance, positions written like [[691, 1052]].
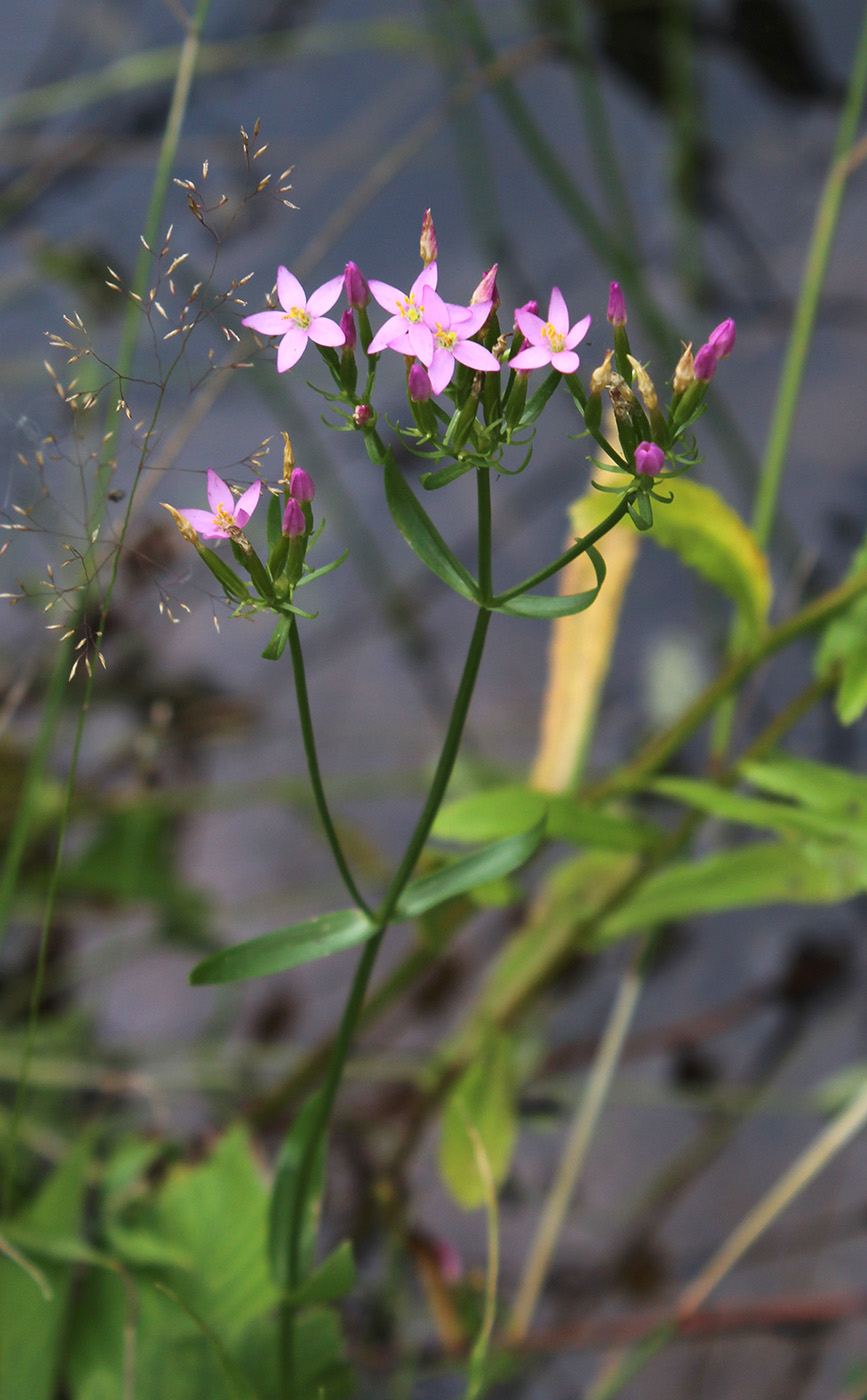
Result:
[[501, 811], [284, 1194], [321, 1373], [334, 1278], [285, 947], [844, 647], [226, 577], [818, 785], [491, 862], [432, 481], [323, 570], [279, 637], [237, 1385], [583, 824], [765, 873], [713, 540], [485, 1097], [274, 521], [783, 817], [563, 605], [422, 535]]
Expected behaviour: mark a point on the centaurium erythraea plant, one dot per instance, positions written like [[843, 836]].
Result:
[[301, 319], [226, 515]]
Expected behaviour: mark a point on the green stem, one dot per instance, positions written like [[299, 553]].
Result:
[[483, 485], [309, 740], [580, 547]]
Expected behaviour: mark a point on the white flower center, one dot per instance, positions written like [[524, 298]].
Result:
[[447, 340], [408, 308], [297, 314]]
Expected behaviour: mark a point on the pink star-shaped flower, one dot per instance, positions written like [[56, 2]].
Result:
[[301, 319], [452, 329], [407, 330], [225, 512], [551, 342]]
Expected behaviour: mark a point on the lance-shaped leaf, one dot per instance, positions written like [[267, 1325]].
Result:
[[285, 947], [490, 863], [818, 785], [540, 606], [422, 536], [432, 481], [279, 637], [483, 1097], [786, 818]]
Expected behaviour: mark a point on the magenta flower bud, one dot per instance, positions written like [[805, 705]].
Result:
[[362, 414], [420, 387], [531, 307], [428, 243], [294, 523], [301, 486], [705, 363], [649, 459], [616, 305], [722, 339], [487, 290], [357, 290], [347, 325]]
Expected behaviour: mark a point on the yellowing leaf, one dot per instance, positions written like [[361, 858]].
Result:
[[483, 1097]]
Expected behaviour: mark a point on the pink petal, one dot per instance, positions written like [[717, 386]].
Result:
[[426, 278], [471, 353], [201, 520], [266, 322], [291, 348], [441, 369], [388, 336], [531, 357], [247, 503], [289, 290], [325, 296], [326, 332], [578, 332], [531, 326], [421, 340], [388, 297], [436, 311], [477, 317], [566, 361], [558, 313], [219, 493]]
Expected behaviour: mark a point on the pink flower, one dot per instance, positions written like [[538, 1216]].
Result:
[[616, 305], [347, 325], [357, 290], [428, 240], [487, 289], [722, 339], [294, 523], [419, 385], [649, 459], [301, 319], [225, 514], [406, 331], [551, 342], [705, 363], [301, 485], [452, 329]]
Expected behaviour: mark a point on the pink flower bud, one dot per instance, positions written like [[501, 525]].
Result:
[[357, 290], [705, 363], [616, 305], [649, 459], [532, 307], [301, 486], [420, 387], [294, 523], [347, 325], [428, 243], [487, 290], [362, 414], [722, 339]]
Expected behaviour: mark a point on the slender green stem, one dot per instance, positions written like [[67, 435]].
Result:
[[483, 484], [309, 740], [824, 228], [580, 547]]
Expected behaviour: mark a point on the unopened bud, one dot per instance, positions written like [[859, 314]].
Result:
[[684, 374], [487, 290], [531, 306], [428, 241], [183, 524], [301, 485], [357, 290], [362, 415], [616, 305], [288, 459], [722, 338], [420, 387], [601, 377], [347, 325], [649, 459], [645, 384], [705, 363], [294, 523]]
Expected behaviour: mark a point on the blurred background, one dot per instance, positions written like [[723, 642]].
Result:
[[679, 147]]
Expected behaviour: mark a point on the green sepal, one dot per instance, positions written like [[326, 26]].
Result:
[[274, 522], [259, 576], [640, 511], [540, 605], [538, 400], [432, 481], [279, 637], [285, 947], [278, 556], [490, 863], [422, 536], [226, 577]]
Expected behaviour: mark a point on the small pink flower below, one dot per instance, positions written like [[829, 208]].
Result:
[[225, 514], [649, 459]]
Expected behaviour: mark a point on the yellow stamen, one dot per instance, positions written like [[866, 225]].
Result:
[[300, 317], [556, 341], [222, 519], [409, 309], [446, 339]]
